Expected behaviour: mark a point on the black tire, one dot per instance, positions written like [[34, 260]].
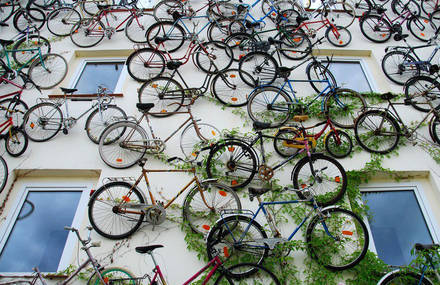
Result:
[[341, 38], [435, 15], [227, 239], [114, 275], [91, 7], [420, 90], [16, 108], [399, 6], [284, 141], [43, 4], [16, 142], [190, 142], [295, 45], [136, 28], [241, 44], [327, 180], [338, 144], [175, 35], [399, 66], [270, 105], [233, 162], [422, 28], [87, 33], [104, 206], [122, 144], [317, 71], [42, 122], [3, 173], [201, 212], [261, 66], [220, 30], [229, 89], [344, 106], [163, 11], [145, 63], [361, 7], [373, 139], [338, 18], [280, 6], [98, 121], [213, 57], [260, 275], [347, 244], [434, 127], [376, 29], [219, 10], [399, 277], [29, 42], [61, 21], [32, 18], [163, 92], [48, 72]]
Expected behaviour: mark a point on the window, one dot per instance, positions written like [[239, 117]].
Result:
[[34, 233], [351, 74], [94, 73], [398, 218]]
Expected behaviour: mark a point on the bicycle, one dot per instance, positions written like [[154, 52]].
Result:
[[428, 254], [124, 143], [24, 17], [336, 238], [379, 130], [118, 208], [364, 7], [44, 120], [165, 9], [421, 89], [16, 140], [3, 173]]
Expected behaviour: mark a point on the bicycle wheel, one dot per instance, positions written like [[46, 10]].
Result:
[[422, 28], [399, 66], [338, 144], [233, 162], [344, 106], [241, 44], [285, 139], [229, 89], [91, 7], [164, 10], [317, 72], [400, 6], [190, 142], [237, 239], [145, 63], [295, 45], [113, 275], [43, 4], [340, 37], [337, 239], [23, 55], [422, 90], [201, 210], [434, 127], [429, 6], [61, 21], [324, 174], [221, 29], [29, 20], [361, 7], [280, 6], [42, 122], [122, 144], [219, 10], [48, 72], [163, 92], [14, 108], [260, 275], [98, 120], [377, 132], [261, 66], [270, 105], [403, 278], [375, 28], [137, 27], [87, 33], [213, 57], [435, 15], [341, 14], [16, 142], [111, 210], [173, 33], [6, 10], [3, 173]]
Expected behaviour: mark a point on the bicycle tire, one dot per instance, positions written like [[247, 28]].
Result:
[[221, 29], [295, 45], [374, 28], [91, 7], [164, 10], [136, 27], [338, 144], [7, 9], [43, 4], [174, 33], [219, 10], [201, 212], [190, 141], [3, 173], [399, 277], [228, 240], [420, 90], [280, 6], [316, 71], [87, 33], [349, 232], [422, 28], [29, 23], [163, 92], [397, 66], [434, 127], [361, 7], [116, 275], [398, 7], [261, 66], [370, 137], [340, 39], [16, 142], [48, 72], [229, 89], [270, 105], [103, 206], [144, 64], [122, 144], [22, 55], [213, 57], [429, 6], [42, 121], [343, 106], [233, 162], [328, 186], [336, 18], [18, 109], [260, 275], [284, 141], [60, 21], [241, 44], [97, 121], [435, 15]]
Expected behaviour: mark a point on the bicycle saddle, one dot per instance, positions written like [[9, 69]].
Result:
[[380, 10], [176, 16], [147, 249], [284, 72], [301, 19], [6, 42], [144, 107], [174, 64], [103, 7], [159, 39], [262, 126], [399, 37], [68, 90], [300, 118], [255, 192], [388, 96], [419, 246]]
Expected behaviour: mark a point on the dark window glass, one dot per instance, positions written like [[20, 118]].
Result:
[[99, 73], [396, 223], [350, 75], [38, 236]]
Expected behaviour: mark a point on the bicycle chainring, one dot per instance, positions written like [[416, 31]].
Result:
[[265, 172], [155, 146], [155, 214]]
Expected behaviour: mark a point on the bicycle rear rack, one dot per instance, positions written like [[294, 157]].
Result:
[[106, 180], [228, 212]]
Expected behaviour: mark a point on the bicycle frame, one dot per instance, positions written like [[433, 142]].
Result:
[[37, 55], [18, 92], [272, 11], [404, 16], [423, 64]]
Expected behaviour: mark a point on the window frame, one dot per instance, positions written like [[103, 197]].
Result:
[[6, 228]]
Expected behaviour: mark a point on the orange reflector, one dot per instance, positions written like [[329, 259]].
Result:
[[213, 133], [91, 192], [222, 193], [76, 31], [99, 28], [206, 227], [341, 42], [303, 186], [338, 179], [226, 251], [237, 43], [347, 233], [297, 40], [194, 154], [274, 14], [422, 34], [106, 279], [231, 148], [126, 199], [36, 43], [154, 85], [240, 56], [22, 52], [233, 76], [234, 182], [118, 159], [383, 35], [234, 99], [32, 125], [426, 21], [163, 111], [233, 12], [293, 51]]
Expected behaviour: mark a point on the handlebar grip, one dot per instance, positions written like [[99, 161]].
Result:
[[172, 158], [69, 228]]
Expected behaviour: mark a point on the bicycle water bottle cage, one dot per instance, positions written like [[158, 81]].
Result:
[[174, 64], [159, 40], [144, 107], [387, 96], [433, 69], [176, 15]]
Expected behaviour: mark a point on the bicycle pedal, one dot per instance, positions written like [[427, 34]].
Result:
[[65, 131]]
